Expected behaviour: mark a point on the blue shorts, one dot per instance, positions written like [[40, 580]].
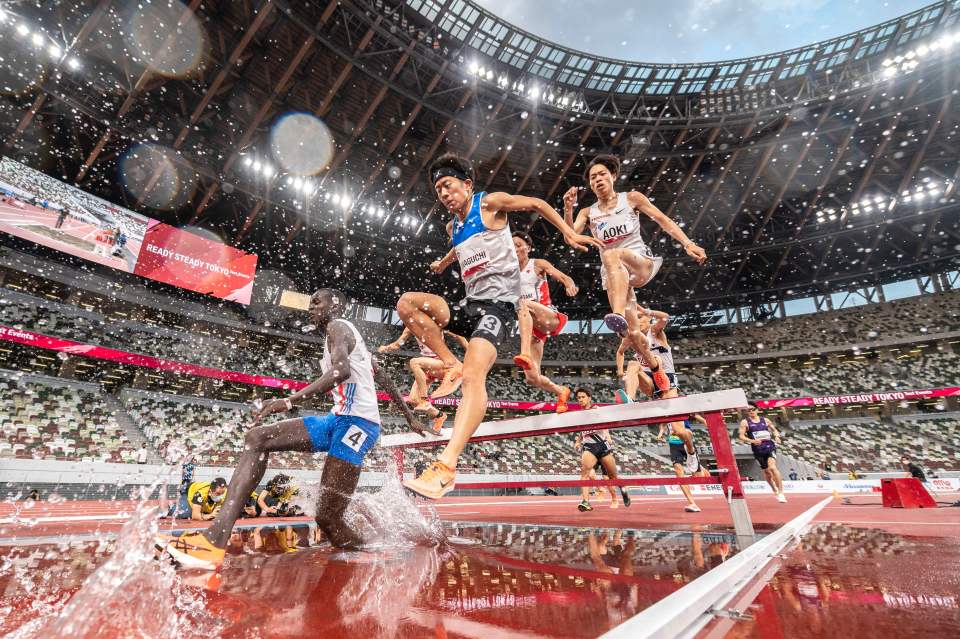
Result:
[[345, 437]]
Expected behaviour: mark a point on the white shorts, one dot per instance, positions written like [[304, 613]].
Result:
[[657, 263]]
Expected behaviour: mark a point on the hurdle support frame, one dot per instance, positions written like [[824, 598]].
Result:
[[710, 405]]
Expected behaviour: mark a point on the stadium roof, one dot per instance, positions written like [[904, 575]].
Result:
[[808, 170]]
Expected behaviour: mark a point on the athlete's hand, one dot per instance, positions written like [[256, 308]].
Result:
[[436, 267], [698, 254], [267, 407], [621, 373], [388, 348], [571, 290], [570, 199], [660, 437], [581, 242]]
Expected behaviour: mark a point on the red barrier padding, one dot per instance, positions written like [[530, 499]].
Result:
[[905, 492]]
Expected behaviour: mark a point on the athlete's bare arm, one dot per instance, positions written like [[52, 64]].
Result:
[[506, 203], [439, 266], [569, 202], [660, 320], [341, 342], [621, 355], [386, 383], [459, 339], [397, 343], [642, 203], [743, 434], [545, 268], [773, 430]]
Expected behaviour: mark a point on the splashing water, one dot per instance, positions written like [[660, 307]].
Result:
[[129, 595]]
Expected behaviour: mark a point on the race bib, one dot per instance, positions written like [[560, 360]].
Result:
[[354, 438], [761, 435], [490, 324]]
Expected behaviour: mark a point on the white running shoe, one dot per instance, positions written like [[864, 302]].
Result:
[[782, 498], [692, 508]]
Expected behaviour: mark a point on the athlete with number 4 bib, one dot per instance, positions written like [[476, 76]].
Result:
[[346, 434], [483, 246]]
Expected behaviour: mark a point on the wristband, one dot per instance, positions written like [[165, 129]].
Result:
[[287, 404]]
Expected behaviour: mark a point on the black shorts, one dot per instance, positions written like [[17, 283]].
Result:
[[597, 449], [763, 457], [492, 320], [678, 454]]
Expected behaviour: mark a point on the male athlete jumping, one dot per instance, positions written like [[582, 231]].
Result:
[[346, 434], [480, 233], [626, 262], [537, 318]]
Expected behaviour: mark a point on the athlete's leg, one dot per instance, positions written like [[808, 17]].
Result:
[[610, 468], [639, 267], [773, 476], [637, 324], [617, 280], [678, 469], [259, 442], [631, 381], [419, 390], [421, 367], [644, 383], [425, 315], [337, 485], [477, 362], [587, 462], [525, 328], [533, 376]]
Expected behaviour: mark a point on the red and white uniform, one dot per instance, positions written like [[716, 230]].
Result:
[[536, 288]]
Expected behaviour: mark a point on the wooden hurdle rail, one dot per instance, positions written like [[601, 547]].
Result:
[[710, 405]]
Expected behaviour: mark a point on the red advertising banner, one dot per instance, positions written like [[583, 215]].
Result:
[[30, 338], [189, 261]]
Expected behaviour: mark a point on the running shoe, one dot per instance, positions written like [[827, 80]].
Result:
[[193, 550], [614, 503], [437, 424], [616, 323], [660, 380], [621, 397], [523, 362], [562, 399], [626, 497], [452, 380], [692, 464], [435, 482], [584, 506], [691, 508], [423, 407], [782, 498]]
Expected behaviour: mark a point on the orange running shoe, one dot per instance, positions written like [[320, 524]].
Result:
[[435, 482], [523, 362], [437, 425], [661, 380], [193, 550], [452, 380], [562, 397], [423, 407]]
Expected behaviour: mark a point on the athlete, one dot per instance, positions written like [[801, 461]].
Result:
[[763, 438], [683, 456], [626, 262], [426, 369], [537, 318], [596, 449], [346, 434], [480, 233]]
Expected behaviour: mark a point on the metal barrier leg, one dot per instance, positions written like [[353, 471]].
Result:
[[730, 480]]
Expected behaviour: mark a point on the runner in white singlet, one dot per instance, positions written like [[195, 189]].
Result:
[[480, 233], [626, 262], [538, 319], [426, 369]]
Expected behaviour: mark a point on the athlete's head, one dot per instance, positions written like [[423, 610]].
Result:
[[752, 411], [452, 179], [601, 173], [523, 244], [584, 398], [218, 489], [327, 304]]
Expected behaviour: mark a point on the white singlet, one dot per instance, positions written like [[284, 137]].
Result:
[[488, 259], [663, 350], [426, 351], [357, 395], [620, 229], [533, 286]]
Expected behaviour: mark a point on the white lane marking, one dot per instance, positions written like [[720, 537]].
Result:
[[50, 520], [903, 523], [547, 502]]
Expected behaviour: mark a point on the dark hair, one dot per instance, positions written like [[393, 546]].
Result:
[[218, 482], [523, 236], [584, 391], [611, 162], [339, 298], [753, 405], [454, 162]]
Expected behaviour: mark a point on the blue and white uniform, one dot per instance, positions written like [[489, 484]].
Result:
[[352, 427]]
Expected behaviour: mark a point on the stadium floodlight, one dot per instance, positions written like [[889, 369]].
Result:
[[934, 192], [907, 198], [73, 63], [490, 75], [534, 93], [23, 29], [502, 81], [336, 198], [268, 170], [920, 195], [889, 72], [879, 200], [37, 40], [379, 212], [54, 51], [474, 68], [256, 165], [345, 202], [298, 184], [247, 160], [932, 185]]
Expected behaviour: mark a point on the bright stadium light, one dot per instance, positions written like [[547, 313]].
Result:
[[336, 198], [23, 30], [73, 63], [268, 170], [37, 40], [54, 51], [474, 68], [256, 165], [247, 160], [345, 202]]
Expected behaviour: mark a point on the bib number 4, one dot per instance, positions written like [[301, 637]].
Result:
[[354, 438]]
